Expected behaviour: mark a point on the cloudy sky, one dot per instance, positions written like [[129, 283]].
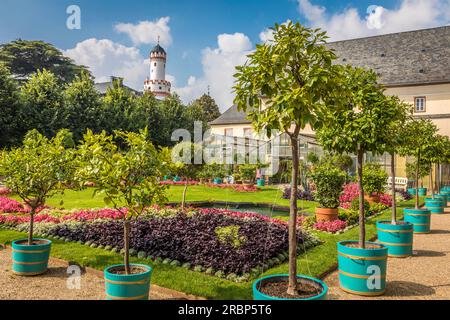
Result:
[[205, 39]]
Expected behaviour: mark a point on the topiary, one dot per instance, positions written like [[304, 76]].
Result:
[[329, 181], [142, 254], [374, 178], [175, 263]]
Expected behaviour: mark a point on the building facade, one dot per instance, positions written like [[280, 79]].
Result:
[[157, 83]]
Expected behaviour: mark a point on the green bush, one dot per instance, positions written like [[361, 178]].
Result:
[[230, 235], [329, 182], [374, 178], [355, 205], [350, 216]]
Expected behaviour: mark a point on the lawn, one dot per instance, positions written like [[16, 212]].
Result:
[[314, 263], [85, 199]]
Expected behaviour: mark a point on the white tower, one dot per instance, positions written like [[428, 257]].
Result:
[[157, 84]]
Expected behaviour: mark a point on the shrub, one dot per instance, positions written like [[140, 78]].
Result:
[[374, 178], [329, 181], [301, 195], [229, 235], [355, 205], [377, 208], [349, 216]]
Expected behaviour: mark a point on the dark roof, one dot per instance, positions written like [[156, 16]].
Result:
[[158, 49], [102, 87], [406, 58], [232, 116]]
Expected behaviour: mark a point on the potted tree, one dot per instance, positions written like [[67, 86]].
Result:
[[417, 135], [444, 158], [296, 77], [129, 181], [34, 172], [396, 235], [411, 175], [360, 128], [374, 181], [329, 181], [434, 153]]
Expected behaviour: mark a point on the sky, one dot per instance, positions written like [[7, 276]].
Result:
[[204, 39]]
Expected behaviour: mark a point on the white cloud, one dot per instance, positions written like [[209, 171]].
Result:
[[106, 58], [147, 32], [218, 70], [410, 15]]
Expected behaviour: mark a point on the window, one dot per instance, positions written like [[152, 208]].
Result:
[[155, 64], [248, 133], [420, 104], [228, 132]]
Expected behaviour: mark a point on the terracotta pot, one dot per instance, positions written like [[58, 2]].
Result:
[[372, 199], [326, 214]]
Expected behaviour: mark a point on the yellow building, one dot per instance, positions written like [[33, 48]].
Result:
[[413, 65]]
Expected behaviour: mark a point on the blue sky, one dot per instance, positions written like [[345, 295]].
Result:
[[204, 39]]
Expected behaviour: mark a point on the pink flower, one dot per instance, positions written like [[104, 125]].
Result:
[[386, 200], [89, 215], [244, 215], [330, 226], [8, 205], [351, 192]]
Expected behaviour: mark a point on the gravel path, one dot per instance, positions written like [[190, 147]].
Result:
[[425, 276], [53, 285]]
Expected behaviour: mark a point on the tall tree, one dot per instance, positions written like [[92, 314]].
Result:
[[361, 127], [209, 107], [10, 116], [82, 106], [146, 114], [172, 117], [43, 103], [296, 75], [24, 58], [417, 135]]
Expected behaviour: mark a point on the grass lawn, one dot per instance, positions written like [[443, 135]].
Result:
[[315, 262], [84, 199]]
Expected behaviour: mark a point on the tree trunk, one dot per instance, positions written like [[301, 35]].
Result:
[[362, 218], [438, 178], [30, 232], [394, 205], [431, 181], [183, 200], [292, 288], [126, 239], [417, 179]]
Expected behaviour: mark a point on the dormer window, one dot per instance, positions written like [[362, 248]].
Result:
[[420, 104]]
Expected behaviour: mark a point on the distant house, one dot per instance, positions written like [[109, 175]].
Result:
[[413, 65], [102, 87]]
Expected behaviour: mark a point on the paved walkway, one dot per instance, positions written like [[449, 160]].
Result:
[[53, 285], [424, 276]]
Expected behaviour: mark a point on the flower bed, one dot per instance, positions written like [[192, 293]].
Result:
[[179, 183], [224, 243], [10, 205], [235, 187], [4, 191], [301, 195]]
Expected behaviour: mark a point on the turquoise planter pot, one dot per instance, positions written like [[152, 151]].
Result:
[[217, 181], [362, 271], [443, 197], [420, 218], [423, 192], [435, 205], [258, 295], [412, 191], [30, 260], [176, 179], [261, 183], [397, 238], [446, 192], [127, 287]]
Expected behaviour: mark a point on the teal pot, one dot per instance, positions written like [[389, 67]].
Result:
[[127, 287], [362, 271], [397, 238], [176, 179], [423, 192], [261, 183], [444, 198], [446, 192], [420, 218], [218, 181], [166, 178], [30, 260], [435, 205], [412, 191], [322, 288]]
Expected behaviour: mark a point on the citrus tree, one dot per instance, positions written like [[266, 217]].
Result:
[[296, 77], [417, 138], [360, 127], [38, 169], [128, 178]]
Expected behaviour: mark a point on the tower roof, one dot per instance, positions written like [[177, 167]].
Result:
[[158, 49]]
